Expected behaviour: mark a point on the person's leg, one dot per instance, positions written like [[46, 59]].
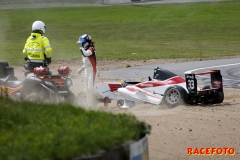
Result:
[[86, 82], [96, 78], [90, 87]]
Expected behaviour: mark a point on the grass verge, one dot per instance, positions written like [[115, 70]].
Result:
[[136, 32], [40, 131]]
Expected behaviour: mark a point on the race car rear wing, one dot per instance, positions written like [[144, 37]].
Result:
[[216, 81]]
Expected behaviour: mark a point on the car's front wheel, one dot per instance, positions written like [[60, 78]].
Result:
[[174, 96], [120, 103]]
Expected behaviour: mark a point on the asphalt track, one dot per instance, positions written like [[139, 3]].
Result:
[[230, 70]]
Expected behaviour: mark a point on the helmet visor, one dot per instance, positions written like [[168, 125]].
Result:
[[81, 40]]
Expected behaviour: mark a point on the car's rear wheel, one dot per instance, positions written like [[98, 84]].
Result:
[[220, 98], [174, 96]]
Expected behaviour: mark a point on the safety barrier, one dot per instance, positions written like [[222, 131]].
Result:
[[137, 150], [115, 1]]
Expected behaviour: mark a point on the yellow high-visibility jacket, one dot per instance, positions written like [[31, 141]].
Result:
[[35, 47]]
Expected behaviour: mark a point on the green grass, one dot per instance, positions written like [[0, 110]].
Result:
[[188, 30], [36, 131]]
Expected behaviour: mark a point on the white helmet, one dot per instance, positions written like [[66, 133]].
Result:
[[39, 25]]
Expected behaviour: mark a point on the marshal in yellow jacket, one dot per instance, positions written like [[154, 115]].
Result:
[[37, 47]]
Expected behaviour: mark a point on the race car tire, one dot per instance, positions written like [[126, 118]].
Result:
[[220, 98], [174, 96], [120, 103]]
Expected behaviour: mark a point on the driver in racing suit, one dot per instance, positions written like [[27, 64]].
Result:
[[87, 49], [37, 47]]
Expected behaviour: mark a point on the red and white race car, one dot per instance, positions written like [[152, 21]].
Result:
[[164, 88]]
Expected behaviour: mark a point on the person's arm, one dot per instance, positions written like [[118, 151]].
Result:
[[88, 52], [80, 69], [25, 49], [48, 49], [49, 60]]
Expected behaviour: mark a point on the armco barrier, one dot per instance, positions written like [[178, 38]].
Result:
[[137, 150], [116, 1]]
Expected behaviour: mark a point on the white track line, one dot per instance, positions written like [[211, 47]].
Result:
[[226, 65]]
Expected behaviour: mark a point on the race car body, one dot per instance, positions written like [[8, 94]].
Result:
[[151, 91], [165, 88]]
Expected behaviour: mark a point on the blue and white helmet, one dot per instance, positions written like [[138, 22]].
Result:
[[85, 40]]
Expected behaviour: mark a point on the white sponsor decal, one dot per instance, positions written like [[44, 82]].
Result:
[[146, 85]]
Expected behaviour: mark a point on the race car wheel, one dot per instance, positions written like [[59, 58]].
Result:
[[220, 98], [120, 103], [174, 96]]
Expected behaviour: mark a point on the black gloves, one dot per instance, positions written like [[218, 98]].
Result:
[[26, 58], [49, 60]]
